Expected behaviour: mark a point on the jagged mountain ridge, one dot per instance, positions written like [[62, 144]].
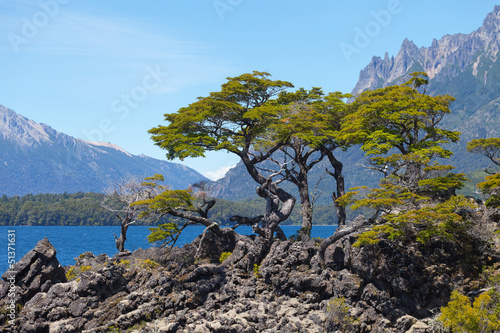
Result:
[[35, 158], [465, 66], [458, 50]]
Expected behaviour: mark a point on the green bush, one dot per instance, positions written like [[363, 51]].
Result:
[[256, 271], [148, 264], [74, 271], [224, 256], [483, 315], [338, 314], [125, 263]]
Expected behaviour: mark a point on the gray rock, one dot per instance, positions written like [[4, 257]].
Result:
[[37, 271]]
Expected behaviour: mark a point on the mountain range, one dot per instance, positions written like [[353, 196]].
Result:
[[35, 158], [465, 66]]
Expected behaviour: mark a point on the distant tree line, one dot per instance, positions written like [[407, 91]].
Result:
[[75, 209], [67, 209]]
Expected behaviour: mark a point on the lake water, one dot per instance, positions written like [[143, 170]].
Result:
[[70, 242]]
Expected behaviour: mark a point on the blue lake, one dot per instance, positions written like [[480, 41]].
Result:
[[70, 242]]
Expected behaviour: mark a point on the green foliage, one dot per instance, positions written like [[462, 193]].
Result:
[[491, 276], [374, 235], [74, 271], [114, 329], [430, 221], [125, 263], [338, 314], [400, 117], [483, 315], [224, 256], [398, 127], [491, 186], [70, 274], [489, 148], [164, 233], [387, 197], [148, 264], [226, 120], [166, 201], [256, 271]]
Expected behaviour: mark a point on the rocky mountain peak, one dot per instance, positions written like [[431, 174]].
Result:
[[460, 50], [492, 21], [490, 30], [23, 131], [408, 46]]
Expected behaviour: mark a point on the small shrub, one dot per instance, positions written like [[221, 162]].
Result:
[[74, 271], [224, 256], [256, 271], [483, 315], [148, 264], [71, 274], [113, 329], [338, 314], [125, 263]]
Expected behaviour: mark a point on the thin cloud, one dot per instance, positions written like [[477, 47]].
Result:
[[217, 174], [109, 42]]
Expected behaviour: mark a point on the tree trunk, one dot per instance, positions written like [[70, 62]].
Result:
[[307, 212], [340, 190], [412, 175], [120, 241], [274, 214], [273, 194], [342, 231]]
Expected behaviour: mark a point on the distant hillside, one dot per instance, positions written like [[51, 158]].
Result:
[[464, 66], [35, 158]]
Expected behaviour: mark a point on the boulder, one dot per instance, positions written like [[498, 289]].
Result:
[[36, 272]]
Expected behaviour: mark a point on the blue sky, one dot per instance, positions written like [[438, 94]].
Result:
[[109, 70]]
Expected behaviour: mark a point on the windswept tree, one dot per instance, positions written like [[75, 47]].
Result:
[[191, 206], [489, 148], [121, 199], [398, 128], [235, 119], [309, 126]]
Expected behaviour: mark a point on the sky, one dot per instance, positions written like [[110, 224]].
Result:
[[109, 70]]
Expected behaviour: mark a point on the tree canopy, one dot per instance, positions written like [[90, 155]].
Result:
[[256, 118], [235, 119], [490, 148], [397, 128]]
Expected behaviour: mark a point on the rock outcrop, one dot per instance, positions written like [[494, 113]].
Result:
[[36, 272], [387, 287]]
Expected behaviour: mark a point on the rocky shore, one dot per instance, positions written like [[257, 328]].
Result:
[[386, 287]]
